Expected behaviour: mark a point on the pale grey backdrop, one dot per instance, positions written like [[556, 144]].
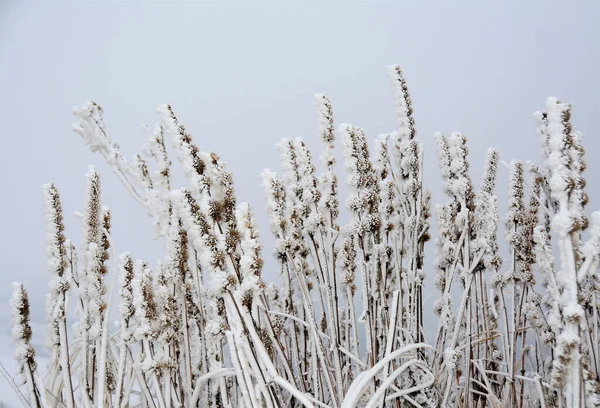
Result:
[[241, 76]]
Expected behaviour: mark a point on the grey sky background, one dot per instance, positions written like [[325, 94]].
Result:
[[242, 75]]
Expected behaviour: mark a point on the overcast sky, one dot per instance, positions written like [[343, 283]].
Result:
[[243, 75]]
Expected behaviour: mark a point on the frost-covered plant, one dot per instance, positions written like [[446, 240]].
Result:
[[346, 326]]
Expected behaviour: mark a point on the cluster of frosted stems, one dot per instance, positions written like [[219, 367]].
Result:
[[345, 325]]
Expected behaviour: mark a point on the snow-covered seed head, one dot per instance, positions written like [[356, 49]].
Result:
[[90, 126], [104, 237], [566, 348], [364, 189], [443, 155], [251, 261], [212, 255], [145, 305], [55, 238], [126, 307], [21, 331], [222, 200], [92, 209], [461, 186], [276, 203], [178, 249], [382, 157], [347, 262], [516, 194], [155, 147], [562, 149], [189, 155], [141, 169], [406, 123], [311, 194], [169, 319], [488, 182], [290, 166], [543, 249], [325, 119], [57, 262], [328, 205]]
